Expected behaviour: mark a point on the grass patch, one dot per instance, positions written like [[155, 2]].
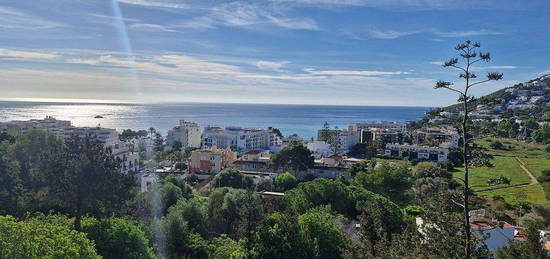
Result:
[[506, 166], [514, 147], [536, 166], [529, 193]]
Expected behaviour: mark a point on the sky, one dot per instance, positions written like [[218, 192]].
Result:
[[334, 52]]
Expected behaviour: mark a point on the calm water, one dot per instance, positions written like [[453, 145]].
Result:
[[303, 120]]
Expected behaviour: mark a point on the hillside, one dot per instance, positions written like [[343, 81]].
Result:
[[531, 99]]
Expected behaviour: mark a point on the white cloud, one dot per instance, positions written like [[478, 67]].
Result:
[[150, 27], [153, 3], [238, 14], [271, 65], [390, 34], [458, 34], [19, 54], [375, 33], [14, 19], [354, 72]]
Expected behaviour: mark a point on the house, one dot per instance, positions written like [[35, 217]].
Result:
[[254, 160], [146, 180], [319, 148], [211, 160], [259, 176]]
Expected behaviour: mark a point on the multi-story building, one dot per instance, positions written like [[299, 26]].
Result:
[[341, 141], [385, 125], [383, 136], [187, 133], [64, 130], [423, 153], [211, 160], [242, 138], [254, 160], [47, 124], [437, 136]]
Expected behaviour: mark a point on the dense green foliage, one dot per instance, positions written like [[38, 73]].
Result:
[[285, 182], [117, 238], [294, 158], [44, 237]]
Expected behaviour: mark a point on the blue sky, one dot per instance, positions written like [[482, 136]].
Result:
[[339, 52]]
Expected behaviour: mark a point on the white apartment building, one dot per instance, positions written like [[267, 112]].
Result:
[[244, 138], [384, 125], [188, 133], [342, 140], [64, 130], [439, 135], [422, 153]]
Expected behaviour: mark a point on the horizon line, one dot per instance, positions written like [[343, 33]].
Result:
[[126, 102]]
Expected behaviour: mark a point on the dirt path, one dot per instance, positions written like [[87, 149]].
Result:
[[522, 165], [525, 169]]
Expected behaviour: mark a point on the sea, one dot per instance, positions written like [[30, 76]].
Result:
[[303, 120]]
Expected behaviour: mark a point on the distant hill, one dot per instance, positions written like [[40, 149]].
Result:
[[532, 97]]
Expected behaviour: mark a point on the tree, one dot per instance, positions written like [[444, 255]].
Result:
[[322, 238], [11, 188], [158, 143], [118, 238], [85, 176], [363, 166], [152, 131], [181, 242], [31, 152], [278, 236], [362, 150], [4, 136], [542, 135], [431, 170], [468, 52], [285, 181], [496, 145], [294, 158], [231, 177], [389, 180], [234, 211], [42, 238], [193, 211], [177, 146], [224, 247]]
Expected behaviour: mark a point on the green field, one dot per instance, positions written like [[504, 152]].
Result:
[[506, 166], [529, 193], [536, 166], [515, 148], [535, 158]]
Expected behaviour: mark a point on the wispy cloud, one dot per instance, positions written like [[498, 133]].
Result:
[[154, 3], [458, 34], [238, 14], [150, 27], [22, 55], [15, 19], [354, 72], [271, 65], [375, 33]]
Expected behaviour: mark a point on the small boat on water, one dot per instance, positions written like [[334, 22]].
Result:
[[98, 117]]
